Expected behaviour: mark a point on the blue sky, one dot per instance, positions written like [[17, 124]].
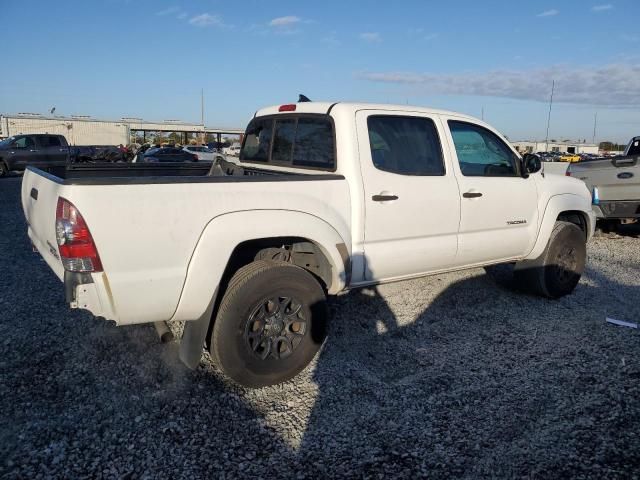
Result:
[[149, 59]]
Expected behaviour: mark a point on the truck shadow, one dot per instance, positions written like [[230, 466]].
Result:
[[471, 386]]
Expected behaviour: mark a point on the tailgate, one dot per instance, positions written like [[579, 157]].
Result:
[[40, 193], [617, 179]]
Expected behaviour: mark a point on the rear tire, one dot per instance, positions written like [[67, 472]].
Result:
[[558, 270], [270, 324], [4, 171]]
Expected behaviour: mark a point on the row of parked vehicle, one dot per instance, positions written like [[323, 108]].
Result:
[[187, 153], [567, 157], [47, 151]]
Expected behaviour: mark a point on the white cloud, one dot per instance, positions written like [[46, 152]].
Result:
[[287, 21], [431, 36], [613, 85], [371, 37], [601, 8], [548, 13], [206, 20], [183, 15], [168, 11]]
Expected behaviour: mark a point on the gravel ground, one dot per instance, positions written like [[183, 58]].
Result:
[[452, 375]]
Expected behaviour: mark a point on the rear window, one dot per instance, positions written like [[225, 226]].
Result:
[[634, 148], [300, 141]]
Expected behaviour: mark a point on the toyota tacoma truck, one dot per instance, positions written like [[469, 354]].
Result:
[[614, 184], [326, 197]]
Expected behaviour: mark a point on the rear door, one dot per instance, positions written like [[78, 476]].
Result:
[[55, 153], [412, 203], [499, 208]]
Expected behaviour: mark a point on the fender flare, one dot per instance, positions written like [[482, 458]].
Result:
[[555, 206], [224, 233]]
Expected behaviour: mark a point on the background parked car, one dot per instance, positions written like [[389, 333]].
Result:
[[203, 153], [167, 154], [570, 157], [233, 150]]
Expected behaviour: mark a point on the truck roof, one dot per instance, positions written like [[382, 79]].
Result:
[[323, 108]]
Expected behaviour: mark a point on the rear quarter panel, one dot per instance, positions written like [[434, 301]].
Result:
[[146, 234]]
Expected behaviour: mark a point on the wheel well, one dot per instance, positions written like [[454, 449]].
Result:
[[576, 217], [297, 250]]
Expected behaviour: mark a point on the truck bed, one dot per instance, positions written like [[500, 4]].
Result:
[[153, 173]]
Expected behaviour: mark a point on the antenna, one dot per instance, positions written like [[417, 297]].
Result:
[[546, 141], [482, 114]]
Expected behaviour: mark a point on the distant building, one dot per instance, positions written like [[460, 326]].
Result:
[[562, 147], [85, 130]]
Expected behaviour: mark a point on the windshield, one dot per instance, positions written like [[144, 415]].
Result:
[[6, 141]]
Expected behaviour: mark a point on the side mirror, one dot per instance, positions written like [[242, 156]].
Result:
[[531, 163]]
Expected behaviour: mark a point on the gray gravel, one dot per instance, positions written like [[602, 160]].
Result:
[[452, 375]]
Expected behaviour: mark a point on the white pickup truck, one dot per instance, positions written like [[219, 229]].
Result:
[[327, 197]]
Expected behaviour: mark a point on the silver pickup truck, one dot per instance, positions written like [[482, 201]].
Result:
[[614, 184]]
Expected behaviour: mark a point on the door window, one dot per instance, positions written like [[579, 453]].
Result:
[[24, 142], [481, 153], [405, 145], [53, 141]]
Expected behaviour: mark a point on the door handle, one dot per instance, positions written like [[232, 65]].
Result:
[[471, 194], [384, 198], [33, 150]]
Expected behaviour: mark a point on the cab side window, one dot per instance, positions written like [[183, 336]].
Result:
[[405, 145], [23, 142], [53, 141], [481, 153]]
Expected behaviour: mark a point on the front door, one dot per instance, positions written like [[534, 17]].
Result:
[[24, 151], [412, 203], [499, 208]]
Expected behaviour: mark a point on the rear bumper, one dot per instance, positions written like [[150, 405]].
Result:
[[618, 209], [90, 291]]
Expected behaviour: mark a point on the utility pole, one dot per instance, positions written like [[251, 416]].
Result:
[[204, 135], [595, 123], [546, 141]]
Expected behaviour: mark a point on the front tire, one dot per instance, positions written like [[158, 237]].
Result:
[[270, 324], [558, 270]]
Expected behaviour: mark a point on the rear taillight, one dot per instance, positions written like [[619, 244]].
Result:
[[195, 157], [75, 243], [567, 173], [291, 107]]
